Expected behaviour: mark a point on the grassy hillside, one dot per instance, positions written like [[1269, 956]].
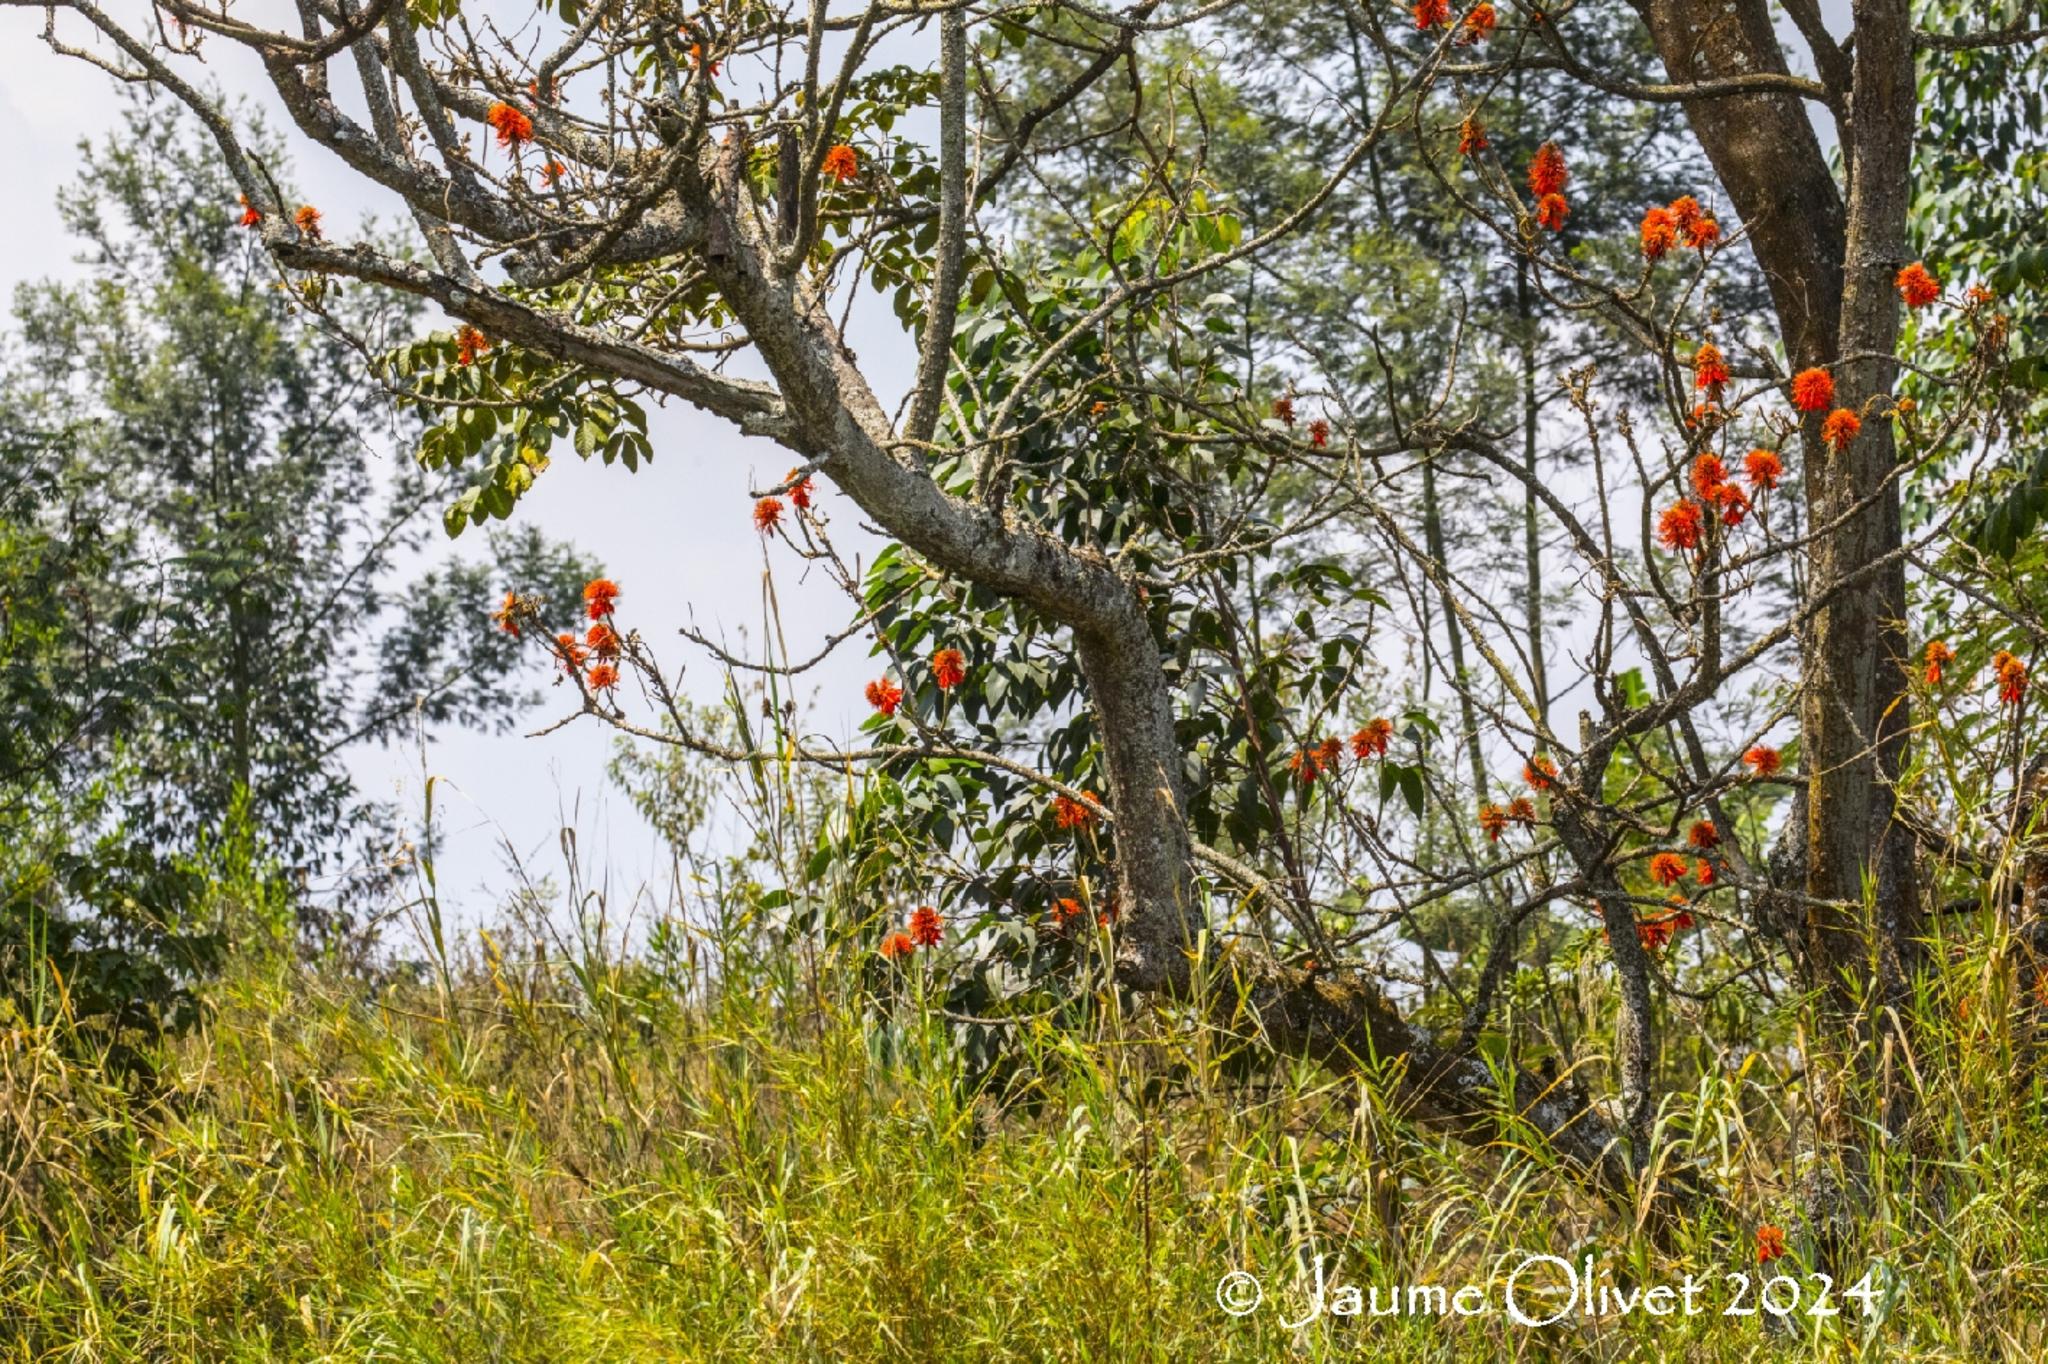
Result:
[[698, 1151]]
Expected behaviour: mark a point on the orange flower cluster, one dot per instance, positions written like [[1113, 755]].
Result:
[[800, 490], [1372, 741], [949, 669], [1283, 411], [1682, 219], [1431, 13], [2012, 677], [926, 926], [1708, 473], [1939, 656], [307, 220], [1548, 173], [1494, 820], [1839, 429], [1813, 390], [896, 945], [1680, 525], [507, 614], [841, 164], [1658, 932], [1066, 913], [1703, 835], [469, 344], [1317, 760], [1547, 178], [1319, 433], [1659, 232], [1764, 760], [1710, 481], [1477, 25], [574, 656], [1764, 469], [884, 695], [1471, 136], [767, 514], [1917, 287], [600, 595], [1709, 371], [1539, 772], [250, 217], [1068, 813], [1770, 1243], [514, 128], [1668, 868], [1699, 230]]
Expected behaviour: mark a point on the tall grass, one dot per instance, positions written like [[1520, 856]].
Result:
[[698, 1150]]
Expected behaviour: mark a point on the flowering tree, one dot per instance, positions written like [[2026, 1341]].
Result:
[[1126, 532]]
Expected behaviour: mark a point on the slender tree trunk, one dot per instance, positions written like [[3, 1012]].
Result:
[[1468, 715], [1532, 543], [1859, 721]]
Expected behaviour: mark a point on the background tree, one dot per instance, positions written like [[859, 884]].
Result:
[[214, 582]]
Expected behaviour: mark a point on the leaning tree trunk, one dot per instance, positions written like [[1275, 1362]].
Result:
[[1339, 1018]]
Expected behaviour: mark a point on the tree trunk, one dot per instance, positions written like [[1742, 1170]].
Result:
[[1856, 713], [1532, 543], [1829, 267], [1468, 715], [1134, 715]]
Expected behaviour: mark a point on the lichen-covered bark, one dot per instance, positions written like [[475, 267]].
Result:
[[1134, 713], [1856, 708], [1345, 1022]]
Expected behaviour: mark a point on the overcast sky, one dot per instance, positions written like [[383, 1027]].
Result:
[[677, 535]]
